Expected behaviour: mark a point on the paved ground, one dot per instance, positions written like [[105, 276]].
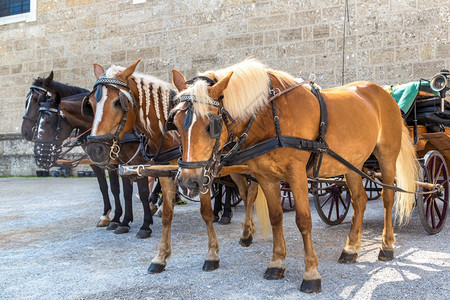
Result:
[[51, 249]]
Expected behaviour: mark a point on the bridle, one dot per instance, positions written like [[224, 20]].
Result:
[[125, 97], [41, 92], [210, 166]]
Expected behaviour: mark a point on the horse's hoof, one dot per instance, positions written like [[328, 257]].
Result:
[[386, 255], [112, 226], [216, 218], [347, 258], [153, 208], [274, 273], [246, 242], [144, 233], [311, 286], [122, 229], [103, 223], [210, 265], [225, 220], [155, 268]]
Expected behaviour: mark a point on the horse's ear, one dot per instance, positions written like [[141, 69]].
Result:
[[217, 90], [178, 80], [126, 74], [49, 79], [98, 70], [86, 108]]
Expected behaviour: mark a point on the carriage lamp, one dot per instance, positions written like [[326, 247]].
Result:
[[439, 81]]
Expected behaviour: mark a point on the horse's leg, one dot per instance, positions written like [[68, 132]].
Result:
[[169, 191], [212, 258], [115, 189], [154, 205], [248, 195], [387, 168], [124, 226], [359, 200], [271, 189], [311, 278], [101, 178], [217, 204], [145, 231], [226, 215]]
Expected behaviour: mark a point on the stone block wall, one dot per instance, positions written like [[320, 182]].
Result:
[[387, 41]]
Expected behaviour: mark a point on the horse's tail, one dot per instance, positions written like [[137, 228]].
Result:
[[262, 213], [407, 173]]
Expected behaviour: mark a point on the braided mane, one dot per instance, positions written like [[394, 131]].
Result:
[[150, 89]]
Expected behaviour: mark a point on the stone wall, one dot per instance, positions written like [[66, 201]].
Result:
[[387, 41]]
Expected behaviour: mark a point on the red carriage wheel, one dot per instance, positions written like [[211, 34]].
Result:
[[373, 190], [334, 205], [433, 207], [287, 198]]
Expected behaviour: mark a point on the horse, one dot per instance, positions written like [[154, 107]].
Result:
[[122, 99], [56, 122], [289, 125], [40, 91]]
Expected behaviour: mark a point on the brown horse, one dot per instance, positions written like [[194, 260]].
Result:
[[362, 118], [122, 99]]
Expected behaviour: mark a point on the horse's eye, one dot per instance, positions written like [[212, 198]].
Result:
[[117, 103]]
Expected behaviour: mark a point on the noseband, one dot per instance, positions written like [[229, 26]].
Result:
[[46, 152], [125, 96]]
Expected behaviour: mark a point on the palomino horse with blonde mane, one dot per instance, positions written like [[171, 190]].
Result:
[[257, 104], [122, 99]]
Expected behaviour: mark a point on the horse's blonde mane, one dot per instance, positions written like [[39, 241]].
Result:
[[148, 87], [247, 90]]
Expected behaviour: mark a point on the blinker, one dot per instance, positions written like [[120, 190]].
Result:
[[215, 126], [188, 119], [98, 93]]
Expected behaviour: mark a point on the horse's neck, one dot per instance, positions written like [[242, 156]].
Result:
[[72, 112], [65, 90]]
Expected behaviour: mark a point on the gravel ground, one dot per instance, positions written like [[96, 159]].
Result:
[[51, 249]]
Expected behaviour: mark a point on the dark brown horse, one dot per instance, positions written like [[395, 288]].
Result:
[[362, 118], [55, 127], [123, 99], [42, 90]]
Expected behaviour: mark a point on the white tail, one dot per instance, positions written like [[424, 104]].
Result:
[[407, 174], [262, 213]]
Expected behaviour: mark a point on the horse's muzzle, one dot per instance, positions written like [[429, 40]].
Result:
[[191, 183], [98, 151]]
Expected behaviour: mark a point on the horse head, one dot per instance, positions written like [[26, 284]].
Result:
[[39, 92], [199, 119], [112, 105], [52, 130]]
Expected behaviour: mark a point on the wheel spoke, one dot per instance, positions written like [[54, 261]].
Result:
[[438, 212], [438, 173], [433, 219], [331, 210], [326, 200], [337, 206]]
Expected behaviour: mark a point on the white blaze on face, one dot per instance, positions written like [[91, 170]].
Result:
[[189, 150], [40, 130], [99, 111]]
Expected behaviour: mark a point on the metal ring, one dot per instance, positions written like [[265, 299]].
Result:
[[139, 170]]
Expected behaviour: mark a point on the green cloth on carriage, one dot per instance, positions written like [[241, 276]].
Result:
[[405, 94]]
